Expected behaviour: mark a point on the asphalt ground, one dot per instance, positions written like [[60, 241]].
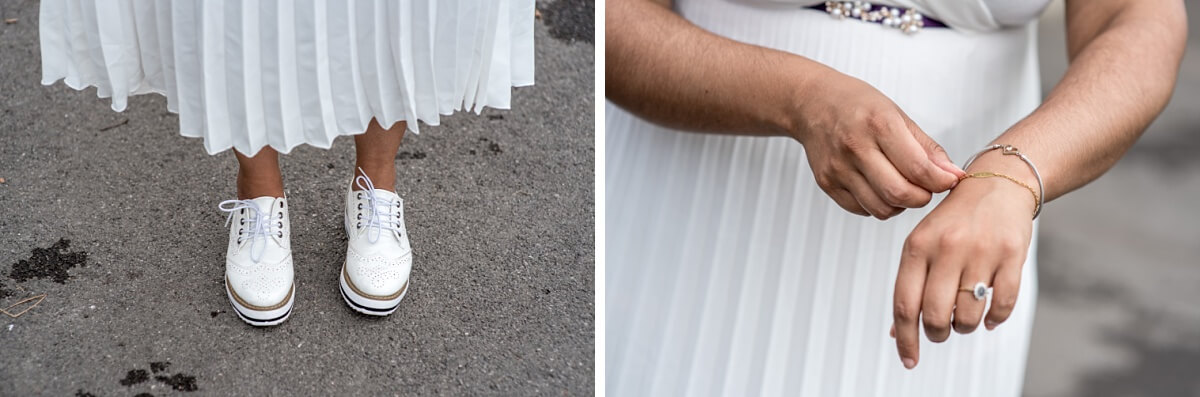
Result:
[[113, 217], [1118, 311]]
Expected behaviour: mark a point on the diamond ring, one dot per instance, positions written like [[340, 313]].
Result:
[[980, 290]]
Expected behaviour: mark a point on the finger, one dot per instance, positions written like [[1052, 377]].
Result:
[[910, 158], [968, 311], [906, 310], [892, 332], [941, 287], [933, 150], [1005, 286], [889, 185], [862, 191], [846, 200]]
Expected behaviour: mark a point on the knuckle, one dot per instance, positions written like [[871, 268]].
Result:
[[917, 244], [936, 328], [896, 194], [1009, 246], [965, 326], [1005, 303], [881, 120], [825, 179], [952, 238], [905, 312]]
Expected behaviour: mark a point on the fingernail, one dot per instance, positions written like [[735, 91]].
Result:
[[989, 324], [909, 363]]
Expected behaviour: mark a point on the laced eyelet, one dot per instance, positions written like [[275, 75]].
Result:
[[239, 232], [242, 221], [359, 226], [239, 240], [358, 196], [359, 217], [281, 214], [281, 234], [280, 225], [360, 206]]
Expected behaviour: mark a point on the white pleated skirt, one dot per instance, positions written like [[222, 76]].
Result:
[[728, 270], [282, 73]]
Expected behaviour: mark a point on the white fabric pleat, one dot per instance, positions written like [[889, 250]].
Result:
[[284, 73], [729, 272]]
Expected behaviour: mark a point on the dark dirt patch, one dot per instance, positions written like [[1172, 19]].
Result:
[[4, 293], [51, 263], [415, 155], [495, 148], [160, 366], [495, 117], [81, 393], [571, 20], [215, 313], [143, 395], [179, 382], [135, 376]]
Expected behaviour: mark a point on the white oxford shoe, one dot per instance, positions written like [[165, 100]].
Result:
[[374, 277], [258, 263]]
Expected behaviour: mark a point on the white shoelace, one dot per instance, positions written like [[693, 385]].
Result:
[[377, 220], [261, 225]]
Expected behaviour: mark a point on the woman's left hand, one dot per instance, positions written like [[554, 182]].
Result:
[[979, 233]]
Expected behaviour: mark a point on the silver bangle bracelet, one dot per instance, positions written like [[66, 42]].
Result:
[[1012, 151]]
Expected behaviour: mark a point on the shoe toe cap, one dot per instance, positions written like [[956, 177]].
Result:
[[380, 278], [264, 292], [258, 287]]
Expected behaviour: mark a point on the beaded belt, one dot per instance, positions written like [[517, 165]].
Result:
[[907, 20]]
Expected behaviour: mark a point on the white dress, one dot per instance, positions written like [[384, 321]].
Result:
[[284, 73], [729, 272]]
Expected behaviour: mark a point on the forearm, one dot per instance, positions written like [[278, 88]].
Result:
[[1121, 76], [671, 72]]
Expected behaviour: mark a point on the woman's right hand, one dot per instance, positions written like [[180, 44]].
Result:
[[865, 152]]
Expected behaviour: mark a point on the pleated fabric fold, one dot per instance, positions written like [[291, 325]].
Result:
[[277, 73], [729, 272]]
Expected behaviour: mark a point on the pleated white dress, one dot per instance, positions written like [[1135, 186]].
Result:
[[284, 73], [729, 272]]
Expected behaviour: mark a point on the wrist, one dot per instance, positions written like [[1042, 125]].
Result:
[[998, 193], [1009, 173], [801, 104]]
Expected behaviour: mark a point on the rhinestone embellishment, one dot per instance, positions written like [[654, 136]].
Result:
[[908, 20], [980, 291]]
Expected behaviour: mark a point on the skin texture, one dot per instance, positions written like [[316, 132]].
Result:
[[870, 158], [375, 152], [1124, 55]]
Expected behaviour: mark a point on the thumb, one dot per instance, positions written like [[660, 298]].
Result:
[[936, 153]]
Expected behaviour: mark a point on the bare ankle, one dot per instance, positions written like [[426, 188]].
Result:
[[382, 177], [252, 187]]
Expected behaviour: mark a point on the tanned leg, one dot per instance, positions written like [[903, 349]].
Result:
[[259, 175], [375, 152]]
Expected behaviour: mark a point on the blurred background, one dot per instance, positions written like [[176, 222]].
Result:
[[1119, 307]]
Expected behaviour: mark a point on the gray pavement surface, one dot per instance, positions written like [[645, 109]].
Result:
[[1118, 310], [116, 222]]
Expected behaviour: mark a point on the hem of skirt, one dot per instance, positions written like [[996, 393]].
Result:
[[477, 109]]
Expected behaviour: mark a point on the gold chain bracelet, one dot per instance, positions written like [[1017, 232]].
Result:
[[1037, 203]]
